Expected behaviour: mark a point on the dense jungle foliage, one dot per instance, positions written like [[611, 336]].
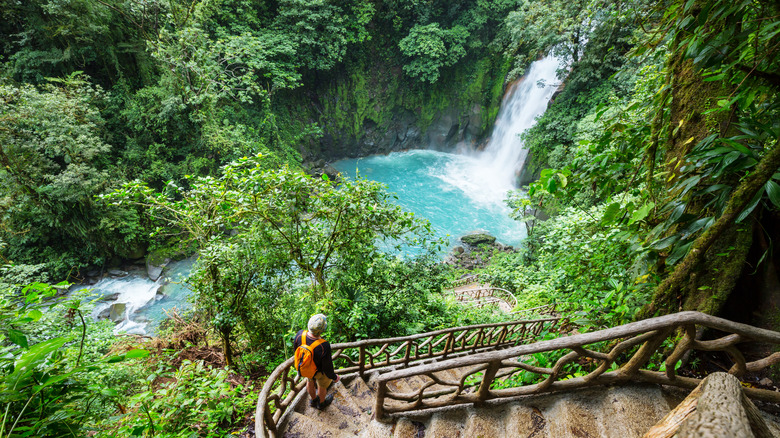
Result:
[[131, 127]]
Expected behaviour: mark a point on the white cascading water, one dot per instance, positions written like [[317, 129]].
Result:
[[136, 303], [493, 172]]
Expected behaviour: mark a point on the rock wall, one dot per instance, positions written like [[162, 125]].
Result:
[[376, 110]]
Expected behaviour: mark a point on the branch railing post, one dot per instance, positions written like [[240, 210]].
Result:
[[379, 405], [361, 360], [487, 380]]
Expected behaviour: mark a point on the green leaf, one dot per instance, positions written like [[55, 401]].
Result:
[[773, 191], [751, 206], [677, 212], [26, 364], [610, 213], [641, 213], [678, 253], [136, 353], [18, 338], [114, 359], [35, 314], [664, 243]]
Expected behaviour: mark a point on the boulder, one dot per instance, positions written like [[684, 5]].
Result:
[[458, 250], [477, 239], [136, 252], [155, 266], [116, 312], [117, 273], [110, 297]]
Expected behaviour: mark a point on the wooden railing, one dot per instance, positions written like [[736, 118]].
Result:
[[547, 309], [466, 279], [633, 349], [284, 384], [485, 296]]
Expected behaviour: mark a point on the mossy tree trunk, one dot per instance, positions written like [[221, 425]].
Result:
[[675, 287]]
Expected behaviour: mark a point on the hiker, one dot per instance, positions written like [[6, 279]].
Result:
[[313, 360]]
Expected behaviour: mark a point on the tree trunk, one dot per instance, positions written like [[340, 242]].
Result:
[[667, 292], [226, 349]]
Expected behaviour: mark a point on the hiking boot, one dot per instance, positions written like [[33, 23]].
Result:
[[325, 403], [315, 402]]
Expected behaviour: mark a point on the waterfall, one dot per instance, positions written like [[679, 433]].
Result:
[[525, 100], [491, 173], [464, 192]]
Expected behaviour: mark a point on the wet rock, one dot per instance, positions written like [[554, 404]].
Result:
[[477, 239], [136, 252], [155, 267], [116, 312], [110, 297], [92, 273], [458, 250], [117, 273]]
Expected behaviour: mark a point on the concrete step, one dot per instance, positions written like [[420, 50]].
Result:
[[300, 425], [446, 425], [376, 429], [361, 395], [343, 413], [487, 422], [526, 421], [574, 416], [405, 428], [631, 411]]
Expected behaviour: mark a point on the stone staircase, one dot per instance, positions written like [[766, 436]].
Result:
[[612, 412], [472, 381]]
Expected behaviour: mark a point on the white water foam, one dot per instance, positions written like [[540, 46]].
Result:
[[487, 176]]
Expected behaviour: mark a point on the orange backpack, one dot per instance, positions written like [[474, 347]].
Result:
[[304, 357]]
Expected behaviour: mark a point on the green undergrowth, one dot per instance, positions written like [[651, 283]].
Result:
[[583, 266]]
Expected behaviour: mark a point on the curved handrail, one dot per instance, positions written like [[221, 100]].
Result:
[[284, 385], [646, 337], [481, 296]]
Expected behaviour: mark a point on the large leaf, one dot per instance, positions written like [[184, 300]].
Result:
[[751, 206], [610, 213], [641, 213], [136, 353], [17, 338], [664, 243], [26, 364], [773, 191], [678, 253]]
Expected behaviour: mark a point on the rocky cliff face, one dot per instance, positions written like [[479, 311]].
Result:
[[405, 130], [378, 111]]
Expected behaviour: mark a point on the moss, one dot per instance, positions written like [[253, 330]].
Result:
[[376, 93], [710, 287]]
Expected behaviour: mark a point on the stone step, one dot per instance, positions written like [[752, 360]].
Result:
[[343, 413], [446, 425], [362, 395], [376, 429], [300, 425], [487, 422], [631, 411], [405, 428], [573, 416], [526, 421]]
